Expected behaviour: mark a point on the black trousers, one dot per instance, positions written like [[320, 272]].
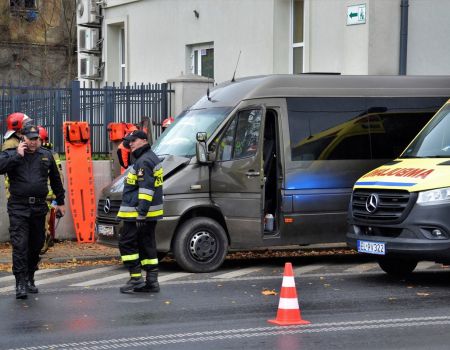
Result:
[[27, 232], [140, 243]]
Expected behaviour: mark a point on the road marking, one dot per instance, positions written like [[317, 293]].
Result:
[[306, 269], [243, 333], [37, 273], [123, 275], [423, 265], [173, 276], [126, 275], [237, 273], [362, 267], [66, 277]]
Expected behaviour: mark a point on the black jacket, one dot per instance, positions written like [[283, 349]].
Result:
[[143, 189], [29, 175]]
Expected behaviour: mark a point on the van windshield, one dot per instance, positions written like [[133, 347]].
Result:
[[434, 140], [179, 139]]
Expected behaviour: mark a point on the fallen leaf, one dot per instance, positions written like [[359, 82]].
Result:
[[167, 302], [269, 292]]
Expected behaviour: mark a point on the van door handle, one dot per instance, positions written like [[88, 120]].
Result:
[[252, 173]]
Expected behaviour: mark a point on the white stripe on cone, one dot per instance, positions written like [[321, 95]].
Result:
[[288, 281], [288, 303]]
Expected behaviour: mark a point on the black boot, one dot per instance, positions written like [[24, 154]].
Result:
[[21, 287], [151, 283], [133, 282], [31, 288]]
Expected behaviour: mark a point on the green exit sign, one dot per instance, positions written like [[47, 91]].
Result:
[[356, 14]]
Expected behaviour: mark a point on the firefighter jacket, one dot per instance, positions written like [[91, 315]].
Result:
[[143, 189], [28, 175], [10, 143]]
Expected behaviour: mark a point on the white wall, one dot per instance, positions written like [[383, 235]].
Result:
[[429, 37], [159, 30]]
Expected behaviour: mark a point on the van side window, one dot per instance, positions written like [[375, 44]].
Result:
[[241, 138], [337, 128]]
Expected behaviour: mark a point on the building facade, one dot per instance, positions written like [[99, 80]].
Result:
[[155, 40]]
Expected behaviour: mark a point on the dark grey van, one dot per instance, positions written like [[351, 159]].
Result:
[[271, 160]]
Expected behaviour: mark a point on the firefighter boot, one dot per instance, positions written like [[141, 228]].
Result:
[[31, 287], [133, 282], [21, 287], [151, 283]]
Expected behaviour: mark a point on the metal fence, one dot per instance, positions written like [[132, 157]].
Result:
[[51, 106]]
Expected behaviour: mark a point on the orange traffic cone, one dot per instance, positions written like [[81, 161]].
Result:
[[288, 310]]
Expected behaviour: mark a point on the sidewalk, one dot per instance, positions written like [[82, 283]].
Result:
[[68, 251]]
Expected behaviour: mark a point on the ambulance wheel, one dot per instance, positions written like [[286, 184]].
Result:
[[200, 245], [396, 267]]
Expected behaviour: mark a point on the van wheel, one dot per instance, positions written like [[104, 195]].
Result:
[[396, 267], [200, 245]]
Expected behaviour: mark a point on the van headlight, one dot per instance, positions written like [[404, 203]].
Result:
[[434, 197]]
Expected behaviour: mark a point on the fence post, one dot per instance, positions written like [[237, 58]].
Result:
[[75, 101], [58, 123], [164, 102], [109, 105]]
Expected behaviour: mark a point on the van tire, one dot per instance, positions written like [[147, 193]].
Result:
[[396, 267], [200, 245]]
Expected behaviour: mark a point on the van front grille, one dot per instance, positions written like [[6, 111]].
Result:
[[387, 206], [109, 210]]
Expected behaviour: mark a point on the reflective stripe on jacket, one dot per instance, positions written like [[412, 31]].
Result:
[[143, 188]]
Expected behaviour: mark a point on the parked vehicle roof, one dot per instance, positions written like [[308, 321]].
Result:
[[312, 85]]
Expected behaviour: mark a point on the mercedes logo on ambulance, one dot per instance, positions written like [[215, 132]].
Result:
[[107, 206], [372, 203]]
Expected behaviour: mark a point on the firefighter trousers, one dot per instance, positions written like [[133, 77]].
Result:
[[27, 232], [138, 247]]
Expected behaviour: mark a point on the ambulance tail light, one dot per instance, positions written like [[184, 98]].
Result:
[[434, 197]]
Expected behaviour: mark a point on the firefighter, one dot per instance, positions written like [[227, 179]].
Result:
[[29, 168], [51, 215], [14, 123], [141, 208]]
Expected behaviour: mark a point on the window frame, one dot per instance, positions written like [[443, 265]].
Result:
[[295, 45], [196, 58]]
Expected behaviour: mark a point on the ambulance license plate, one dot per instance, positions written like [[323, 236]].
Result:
[[378, 248], [105, 230]]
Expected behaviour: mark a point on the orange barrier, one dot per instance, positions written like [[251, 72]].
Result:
[[288, 309], [80, 179]]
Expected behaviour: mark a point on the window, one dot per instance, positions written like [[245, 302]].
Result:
[[241, 137], [297, 36], [203, 60], [122, 56], [355, 128], [22, 4]]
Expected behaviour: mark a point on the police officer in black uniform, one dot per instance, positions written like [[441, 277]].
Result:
[[141, 208], [28, 168]]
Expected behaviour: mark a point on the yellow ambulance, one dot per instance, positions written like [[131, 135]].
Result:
[[400, 211]]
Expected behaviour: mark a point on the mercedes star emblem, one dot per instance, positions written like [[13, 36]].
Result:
[[107, 206], [372, 203]]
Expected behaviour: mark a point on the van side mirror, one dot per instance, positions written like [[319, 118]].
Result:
[[202, 136], [201, 152]]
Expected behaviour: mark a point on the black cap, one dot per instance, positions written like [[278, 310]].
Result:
[[30, 131], [136, 134]]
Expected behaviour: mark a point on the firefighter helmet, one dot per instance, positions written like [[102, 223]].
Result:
[[43, 134], [166, 122], [15, 122]]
